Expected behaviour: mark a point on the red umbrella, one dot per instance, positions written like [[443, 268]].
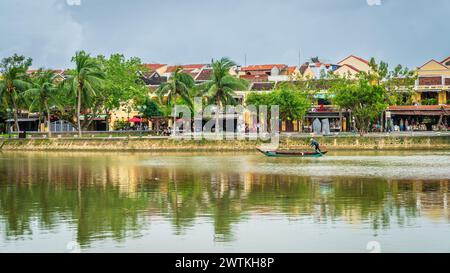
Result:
[[135, 120]]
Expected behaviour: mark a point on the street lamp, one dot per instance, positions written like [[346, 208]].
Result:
[[9, 112]]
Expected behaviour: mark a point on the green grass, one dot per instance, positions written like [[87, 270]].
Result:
[[6, 135]]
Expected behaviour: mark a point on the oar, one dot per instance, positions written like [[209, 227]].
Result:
[[319, 152]]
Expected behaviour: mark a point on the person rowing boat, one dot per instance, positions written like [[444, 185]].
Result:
[[315, 145]]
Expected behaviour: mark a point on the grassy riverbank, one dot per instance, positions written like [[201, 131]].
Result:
[[377, 142]]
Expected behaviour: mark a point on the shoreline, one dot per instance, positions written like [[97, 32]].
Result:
[[145, 144]]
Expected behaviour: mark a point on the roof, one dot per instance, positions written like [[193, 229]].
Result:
[[153, 67], [351, 67], [419, 107], [445, 60], [303, 67], [172, 68], [356, 57], [204, 75], [262, 86], [420, 110], [255, 78], [263, 67], [433, 60], [291, 69]]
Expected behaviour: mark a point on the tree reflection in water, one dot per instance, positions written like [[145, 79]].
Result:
[[114, 196]]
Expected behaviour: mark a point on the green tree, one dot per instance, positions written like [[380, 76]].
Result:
[[13, 80], [257, 99], [400, 85], [378, 73], [366, 100], [122, 82], [179, 85], [150, 108], [42, 94], [398, 82], [83, 81], [293, 102]]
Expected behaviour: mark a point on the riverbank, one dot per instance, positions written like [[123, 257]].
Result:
[[370, 142]]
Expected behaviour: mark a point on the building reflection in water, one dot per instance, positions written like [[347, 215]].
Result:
[[116, 196]]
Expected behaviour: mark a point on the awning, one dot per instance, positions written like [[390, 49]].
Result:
[[23, 120], [419, 113], [320, 114], [135, 120]]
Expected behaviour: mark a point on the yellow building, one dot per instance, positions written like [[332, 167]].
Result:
[[351, 66], [123, 113], [433, 83]]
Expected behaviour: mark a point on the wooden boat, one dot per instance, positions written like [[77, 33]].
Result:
[[281, 153]]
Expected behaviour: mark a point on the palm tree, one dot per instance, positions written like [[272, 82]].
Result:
[[13, 79], [82, 81], [43, 92], [179, 85], [220, 88]]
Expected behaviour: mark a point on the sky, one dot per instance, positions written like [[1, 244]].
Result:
[[408, 32]]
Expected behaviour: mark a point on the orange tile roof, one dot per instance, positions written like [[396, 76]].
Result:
[[255, 78], [262, 67], [291, 69], [419, 107], [153, 67], [204, 75]]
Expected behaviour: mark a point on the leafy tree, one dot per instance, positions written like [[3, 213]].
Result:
[[398, 82], [366, 100], [150, 108], [378, 72], [293, 102], [42, 94], [178, 85], [400, 85], [122, 82], [83, 81], [258, 99], [14, 80]]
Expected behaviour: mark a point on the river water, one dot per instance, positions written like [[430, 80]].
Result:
[[224, 202]]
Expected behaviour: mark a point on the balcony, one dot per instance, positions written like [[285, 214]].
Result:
[[432, 84]]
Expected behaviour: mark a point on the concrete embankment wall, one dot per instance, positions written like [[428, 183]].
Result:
[[160, 144]]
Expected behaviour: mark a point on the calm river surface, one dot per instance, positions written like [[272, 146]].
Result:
[[224, 202]]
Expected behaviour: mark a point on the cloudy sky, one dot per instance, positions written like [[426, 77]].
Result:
[[409, 32]]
